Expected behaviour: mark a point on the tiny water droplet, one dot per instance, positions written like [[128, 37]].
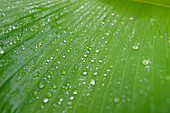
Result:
[[85, 73], [100, 61], [70, 103], [1, 51], [61, 99], [54, 86], [41, 86], [49, 94], [95, 73], [116, 100], [97, 51], [63, 72], [135, 47], [92, 60], [85, 55], [92, 82], [107, 34], [45, 100], [145, 62], [71, 98], [75, 92]]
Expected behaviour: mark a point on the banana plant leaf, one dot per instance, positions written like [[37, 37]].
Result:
[[84, 56]]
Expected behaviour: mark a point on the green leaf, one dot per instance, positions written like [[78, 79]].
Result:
[[84, 56]]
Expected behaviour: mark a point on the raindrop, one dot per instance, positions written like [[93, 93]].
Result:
[[92, 60], [70, 103], [100, 61], [116, 100], [92, 82], [1, 51], [64, 72], [97, 51], [71, 98], [49, 94], [135, 47], [41, 86], [85, 73], [75, 92], [107, 34], [45, 100], [145, 62], [95, 73]]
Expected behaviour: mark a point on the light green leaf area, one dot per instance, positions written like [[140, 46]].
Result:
[[84, 56]]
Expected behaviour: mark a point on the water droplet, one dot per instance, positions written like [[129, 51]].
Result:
[[135, 47], [108, 69], [95, 73], [92, 82], [64, 72], [92, 60], [41, 86], [107, 34], [75, 92], [70, 103], [85, 73], [54, 86], [71, 98], [49, 94], [145, 62], [100, 61], [116, 100], [1, 51], [97, 51], [36, 74], [45, 100], [85, 55], [61, 99]]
